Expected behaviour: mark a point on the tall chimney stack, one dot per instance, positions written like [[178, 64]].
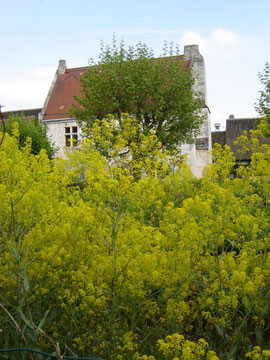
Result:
[[62, 67]]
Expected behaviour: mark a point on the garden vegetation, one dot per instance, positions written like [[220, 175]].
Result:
[[34, 129], [129, 256]]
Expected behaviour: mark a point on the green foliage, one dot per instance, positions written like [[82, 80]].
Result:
[[158, 267], [263, 105], [30, 128], [125, 145], [157, 92]]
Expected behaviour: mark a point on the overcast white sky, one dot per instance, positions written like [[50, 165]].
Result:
[[233, 36]]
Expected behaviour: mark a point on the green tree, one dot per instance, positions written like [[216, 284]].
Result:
[[263, 105], [33, 129], [158, 92]]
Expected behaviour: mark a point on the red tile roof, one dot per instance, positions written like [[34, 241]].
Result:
[[66, 86]]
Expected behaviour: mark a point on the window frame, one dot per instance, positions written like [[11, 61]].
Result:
[[71, 136]]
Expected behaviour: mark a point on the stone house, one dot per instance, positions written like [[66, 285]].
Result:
[[234, 129], [65, 132]]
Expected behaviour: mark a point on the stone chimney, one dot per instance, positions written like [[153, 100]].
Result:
[[190, 51], [62, 67], [231, 117]]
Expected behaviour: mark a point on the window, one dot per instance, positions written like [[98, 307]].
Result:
[[71, 136], [202, 144]]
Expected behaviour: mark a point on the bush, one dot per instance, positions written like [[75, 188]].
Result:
[[33, 129]]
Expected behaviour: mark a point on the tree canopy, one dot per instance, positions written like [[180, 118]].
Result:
[[263, 105], [158, 92], [30, 128]]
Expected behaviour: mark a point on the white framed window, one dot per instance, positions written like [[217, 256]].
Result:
[[71, 136]]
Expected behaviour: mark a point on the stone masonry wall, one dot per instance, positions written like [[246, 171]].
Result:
[[198, 154]]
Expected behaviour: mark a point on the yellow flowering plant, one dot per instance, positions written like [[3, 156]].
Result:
[[133, 257]]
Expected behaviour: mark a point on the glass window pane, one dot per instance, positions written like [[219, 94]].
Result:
[[67, 140]]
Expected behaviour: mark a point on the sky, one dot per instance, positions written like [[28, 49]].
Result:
[[233, 37]]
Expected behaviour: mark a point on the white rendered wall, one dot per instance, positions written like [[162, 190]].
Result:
[[56, 132]]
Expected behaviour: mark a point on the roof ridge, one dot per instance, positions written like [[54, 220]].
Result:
[[78, 68], [158, 57]]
